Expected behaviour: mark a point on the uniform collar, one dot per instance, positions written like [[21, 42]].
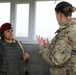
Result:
[[66, 24]]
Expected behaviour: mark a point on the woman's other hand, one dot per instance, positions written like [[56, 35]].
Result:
[[25, 56]]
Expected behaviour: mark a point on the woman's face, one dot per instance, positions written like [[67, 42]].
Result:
[[8, 34], [59, 17]]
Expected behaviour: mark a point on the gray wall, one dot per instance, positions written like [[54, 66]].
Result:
[[36, 65]]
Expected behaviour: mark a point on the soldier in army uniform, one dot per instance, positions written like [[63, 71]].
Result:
[[61, 53], [11, 56]]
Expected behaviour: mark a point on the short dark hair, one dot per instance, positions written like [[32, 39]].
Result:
[[65, 8]]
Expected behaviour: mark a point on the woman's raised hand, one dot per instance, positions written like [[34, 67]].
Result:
[[40, 40], [46, 43], [43, 42]]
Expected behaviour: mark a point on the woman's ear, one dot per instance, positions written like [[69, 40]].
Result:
[[60, 14], [59, 17]]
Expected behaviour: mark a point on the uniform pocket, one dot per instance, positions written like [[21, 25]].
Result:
[[58, 71], [74, 67]]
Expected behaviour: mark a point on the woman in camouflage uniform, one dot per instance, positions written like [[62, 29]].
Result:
[[61, 53], [11, 56]]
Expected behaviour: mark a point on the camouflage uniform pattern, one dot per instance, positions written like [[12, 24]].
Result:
[[62, 53]]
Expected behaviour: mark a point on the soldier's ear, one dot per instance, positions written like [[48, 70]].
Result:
[[60, 14]]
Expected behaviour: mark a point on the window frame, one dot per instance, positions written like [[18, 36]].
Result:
[[30, 30], [4, 1], [32, 14]]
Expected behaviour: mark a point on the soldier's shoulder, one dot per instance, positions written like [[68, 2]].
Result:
[[72, 24], [72, 28]]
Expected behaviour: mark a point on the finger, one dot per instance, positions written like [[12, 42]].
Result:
[[47, 40], [27, 55], [37, 36], [42, 39]]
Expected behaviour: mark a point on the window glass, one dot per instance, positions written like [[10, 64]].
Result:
[[22, 20], [4, 13], [46, 23]]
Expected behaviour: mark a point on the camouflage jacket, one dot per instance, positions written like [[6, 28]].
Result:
[[62, 45]]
